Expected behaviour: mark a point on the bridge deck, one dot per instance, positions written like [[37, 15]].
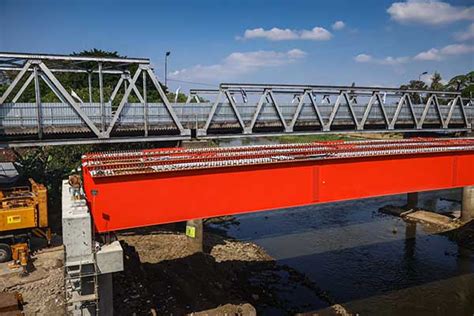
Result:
[[142, 188]]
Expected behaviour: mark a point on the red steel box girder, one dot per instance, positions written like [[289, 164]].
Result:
[[149, 187]]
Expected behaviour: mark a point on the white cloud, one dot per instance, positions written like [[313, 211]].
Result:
[[457, 49], [277, 34], [432, 12], [238, 64], [338, 25], [363, 58], [439, 54], [296, 53], [467, 34], [391, 61], [316, 34], [431, 54]]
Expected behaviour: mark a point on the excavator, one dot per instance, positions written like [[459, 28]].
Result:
[[23, 213]]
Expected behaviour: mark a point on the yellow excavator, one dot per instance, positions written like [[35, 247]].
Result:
[[23, 212]]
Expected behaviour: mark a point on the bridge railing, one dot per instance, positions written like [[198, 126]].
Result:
[[231, 110]]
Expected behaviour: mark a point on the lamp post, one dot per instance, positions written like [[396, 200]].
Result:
[[166, 68], [423, 73]]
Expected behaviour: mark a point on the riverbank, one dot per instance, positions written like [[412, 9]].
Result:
[[163, 277]]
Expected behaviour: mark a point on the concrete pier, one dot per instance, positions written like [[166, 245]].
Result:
[[89, 265], [194, 232], [467, 209], [412, 200]]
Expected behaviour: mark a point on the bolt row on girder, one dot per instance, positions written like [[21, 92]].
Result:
[[165, 160]]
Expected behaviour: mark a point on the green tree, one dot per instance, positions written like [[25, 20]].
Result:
[[436, 82], [79, 81], [415, 85], [463, 83]]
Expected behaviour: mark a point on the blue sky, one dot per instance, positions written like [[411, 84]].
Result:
[[376, 42]]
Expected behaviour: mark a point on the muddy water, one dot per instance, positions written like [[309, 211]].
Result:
[[371, 263]]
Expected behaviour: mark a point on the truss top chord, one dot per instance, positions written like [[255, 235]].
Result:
[[73, 58]]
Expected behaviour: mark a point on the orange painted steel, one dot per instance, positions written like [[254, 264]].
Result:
[[142, 188]]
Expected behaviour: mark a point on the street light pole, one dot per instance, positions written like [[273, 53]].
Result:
[[166, 68], [423, 73]]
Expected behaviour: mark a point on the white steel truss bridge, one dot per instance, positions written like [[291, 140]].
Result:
[[138, 109]]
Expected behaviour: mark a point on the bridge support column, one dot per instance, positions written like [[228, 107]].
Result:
[[194, 232], [412, 200], [467, 209]]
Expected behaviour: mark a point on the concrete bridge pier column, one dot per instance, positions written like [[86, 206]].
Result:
[[194, 233], [467, 208], [412, 200]]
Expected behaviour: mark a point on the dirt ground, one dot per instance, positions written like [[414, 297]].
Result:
[[42, 289], [163, 277]]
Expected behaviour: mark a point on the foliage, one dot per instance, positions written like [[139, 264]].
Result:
[[415, 85], [463, 83], [436, 82]]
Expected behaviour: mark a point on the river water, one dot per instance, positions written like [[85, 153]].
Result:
[[371, 263]]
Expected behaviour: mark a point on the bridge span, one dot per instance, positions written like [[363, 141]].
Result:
[[138, 108], [175, 184]]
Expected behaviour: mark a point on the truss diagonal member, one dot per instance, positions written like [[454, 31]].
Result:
[[23, 87], [419, 124], [405, 99], [257, 111], [372, 99], [234, 108], [53, 88], [438, 109], [135, 89], [312, 98], [298, 111], [169, 108], [278, 110], [122, 103], [382, 108], [412, 110], [327, 127], [188, 99], [464, 115], [15, 81], [431, 100], [457, 101], [211, 115], [116, 89], [70, 100], [351, 110]]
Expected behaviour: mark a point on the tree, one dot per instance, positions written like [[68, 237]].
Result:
[[415, 85], [79, 81], [463, 83], [436, 82]]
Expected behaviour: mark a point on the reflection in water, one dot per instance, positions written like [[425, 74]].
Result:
[[371, 263], [410, 240]]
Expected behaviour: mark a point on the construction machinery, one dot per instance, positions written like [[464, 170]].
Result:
[[23, 212]]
